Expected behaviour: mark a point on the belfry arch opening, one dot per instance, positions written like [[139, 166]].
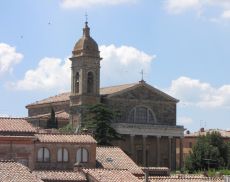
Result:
[[90, 82], [77, 82]]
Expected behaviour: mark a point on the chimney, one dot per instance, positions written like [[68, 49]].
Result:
[[202, 130], [77, 167]]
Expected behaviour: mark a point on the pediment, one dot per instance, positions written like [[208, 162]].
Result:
[[143, 91]]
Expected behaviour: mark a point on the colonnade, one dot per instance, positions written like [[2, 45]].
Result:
[[158, 150]]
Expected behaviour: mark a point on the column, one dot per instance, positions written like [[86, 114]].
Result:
[[181, 153], [158, 151], [169, 152], [144, 149], [132, 147]]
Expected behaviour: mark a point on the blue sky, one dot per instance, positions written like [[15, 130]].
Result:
[[182, 46]]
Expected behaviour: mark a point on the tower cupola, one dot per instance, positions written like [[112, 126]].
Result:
[[86, 45]]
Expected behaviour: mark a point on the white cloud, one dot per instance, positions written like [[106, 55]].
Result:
[[179, 6], [8, 58], [51, 73], [184, 120], [119, 65], [69, 4], [123, 64], [197, 93], [209, 9], [226, 14]]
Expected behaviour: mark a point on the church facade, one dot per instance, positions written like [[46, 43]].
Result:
[[148, 115]]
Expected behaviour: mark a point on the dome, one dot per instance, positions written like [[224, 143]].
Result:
[[86, 46]]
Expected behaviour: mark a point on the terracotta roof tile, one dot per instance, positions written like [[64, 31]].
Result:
[[63, 97], [105, 175], [65, 138], [184, 178], [115, 158], [15, 125], [60, 176], [115, 89], [12, 171]]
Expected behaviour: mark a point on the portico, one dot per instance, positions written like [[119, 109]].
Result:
[[157, 139]]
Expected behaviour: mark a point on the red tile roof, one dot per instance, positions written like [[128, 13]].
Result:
[[65, 138], [115, 158], [15, 172], [15, 125], [63, 97], [105, 175], [60, 176], [184, 178]]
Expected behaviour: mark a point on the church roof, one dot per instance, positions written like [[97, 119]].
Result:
[[106, 91], [63, 97]]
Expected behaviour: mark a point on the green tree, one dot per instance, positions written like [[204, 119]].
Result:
[[67, 128], [98, 119], [52, 122], [210, 151]]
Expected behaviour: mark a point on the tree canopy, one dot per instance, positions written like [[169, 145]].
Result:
[[210, 151], [98, 119], [52, 122]]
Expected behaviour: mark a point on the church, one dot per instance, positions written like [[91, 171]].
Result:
[[148, 115]]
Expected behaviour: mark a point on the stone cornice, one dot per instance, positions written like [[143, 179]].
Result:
[[150, 130]]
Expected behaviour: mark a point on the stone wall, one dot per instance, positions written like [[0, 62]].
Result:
[[20, 151], [46, 108], [165, 112]]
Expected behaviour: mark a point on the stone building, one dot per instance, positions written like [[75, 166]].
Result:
[[148, 115], [23, 143], [58, 157]]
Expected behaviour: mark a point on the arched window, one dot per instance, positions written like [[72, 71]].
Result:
[[82, 155], [90, 82], [62, 155], [141, 114], [77, 77], [43, 155]]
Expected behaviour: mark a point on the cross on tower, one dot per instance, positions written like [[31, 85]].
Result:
[[142, 75], [86, 17]]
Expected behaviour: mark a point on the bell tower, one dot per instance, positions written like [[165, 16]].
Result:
[[85, 76]]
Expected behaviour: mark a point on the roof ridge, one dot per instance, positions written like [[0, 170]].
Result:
[[9, 117], [105, 169], [7, 160], [63, 134], [135, 83], [54, 171], [108, 147]]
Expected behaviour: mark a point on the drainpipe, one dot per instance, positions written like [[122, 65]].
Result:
[[146, 176]]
